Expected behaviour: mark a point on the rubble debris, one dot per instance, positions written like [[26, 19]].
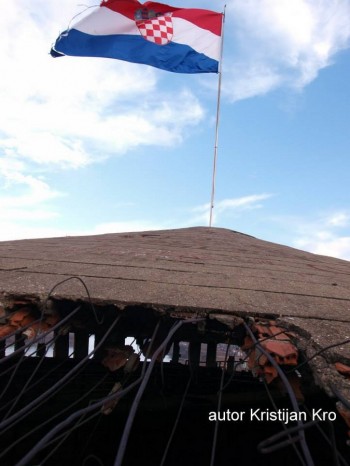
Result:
[[132, 363], [7, 330], [117, 357], [274, 340], [17, 320], [43, 326], [21, 318], [108, 407], [343, 369]]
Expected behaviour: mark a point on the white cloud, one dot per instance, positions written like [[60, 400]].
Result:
[[225, 206], [338, 219], [38, 191], [240, 203], [24, 197], [282, 43], [44, 148], [338, 247], [12, 229], [69, 112], [16, 229], [250, 79], [332, 246], [327, 234]]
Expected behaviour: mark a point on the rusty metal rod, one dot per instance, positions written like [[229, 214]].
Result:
[[285, 428], [41, 444], [17, 331], [33, 404], [75, 277], [216, 429], [132, 412], [48, 421], [264, 447], [327, 439], [32, 375], [303, 444], [176, 421]]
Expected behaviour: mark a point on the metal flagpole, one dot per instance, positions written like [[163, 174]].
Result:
[[217, 124]]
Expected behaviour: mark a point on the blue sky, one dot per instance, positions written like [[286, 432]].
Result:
[[93, 146]]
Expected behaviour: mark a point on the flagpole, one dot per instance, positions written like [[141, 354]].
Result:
[[217, 125]]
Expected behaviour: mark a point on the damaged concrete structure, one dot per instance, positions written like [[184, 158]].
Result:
[[122, 348]]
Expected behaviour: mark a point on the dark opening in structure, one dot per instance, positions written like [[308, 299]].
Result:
[[99, 385]]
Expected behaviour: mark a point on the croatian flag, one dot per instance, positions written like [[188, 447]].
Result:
[[181, 40]]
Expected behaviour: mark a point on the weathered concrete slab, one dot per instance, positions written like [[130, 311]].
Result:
[[169, 295], [197, 268], [198, 271]]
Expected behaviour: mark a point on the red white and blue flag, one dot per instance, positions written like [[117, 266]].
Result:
[[182, 40]]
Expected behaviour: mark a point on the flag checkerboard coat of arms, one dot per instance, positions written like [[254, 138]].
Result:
[[181, 40], [157, 28]]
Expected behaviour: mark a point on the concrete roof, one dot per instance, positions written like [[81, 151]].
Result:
[[185, 270]]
